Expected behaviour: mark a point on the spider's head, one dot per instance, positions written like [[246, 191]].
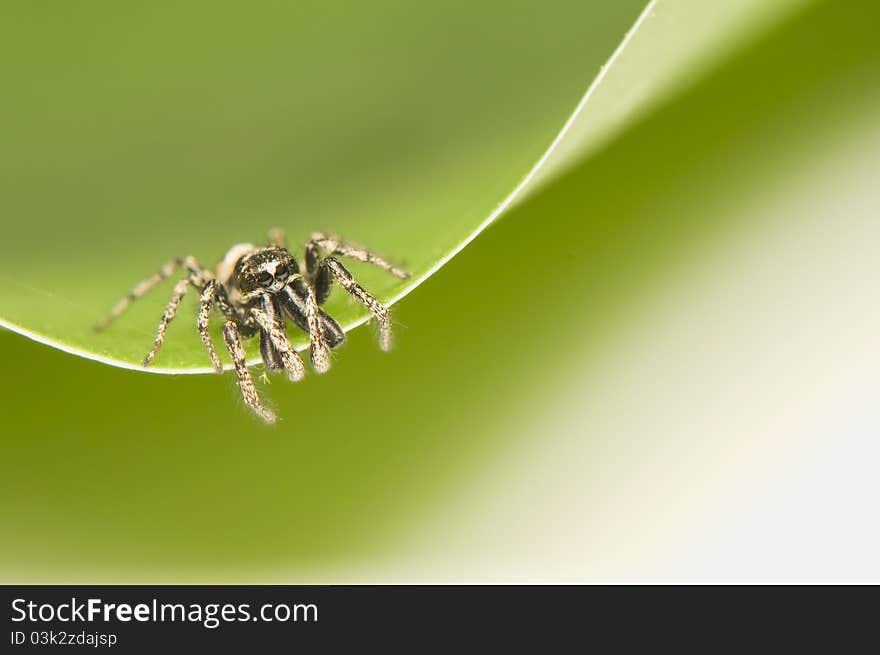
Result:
[[267, 270]]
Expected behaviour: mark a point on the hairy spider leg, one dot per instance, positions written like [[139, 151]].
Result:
[[206, 303], [213, 293], [336, 246], [245, 383], [170, 311], [319, 349], [146, 285], [377, 309], [277, 238], [273, 330]]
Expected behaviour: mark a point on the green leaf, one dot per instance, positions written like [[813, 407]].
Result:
[[391, 468], [150, 132]]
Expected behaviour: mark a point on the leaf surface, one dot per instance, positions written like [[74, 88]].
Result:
[[151, 132]]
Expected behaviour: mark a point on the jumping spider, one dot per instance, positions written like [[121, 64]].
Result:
[[256, 289]]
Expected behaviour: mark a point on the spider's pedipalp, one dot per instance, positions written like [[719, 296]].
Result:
[[268, 352], [273, 330], [245, 383]]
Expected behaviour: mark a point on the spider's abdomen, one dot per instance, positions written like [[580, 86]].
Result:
[[227, 267]]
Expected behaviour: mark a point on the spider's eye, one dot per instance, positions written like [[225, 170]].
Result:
[[281, 274], [264, 279]]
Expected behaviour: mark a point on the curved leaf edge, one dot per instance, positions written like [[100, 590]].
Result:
[[529, 183]]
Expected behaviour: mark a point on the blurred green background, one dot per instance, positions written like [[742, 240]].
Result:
[[115, 475]]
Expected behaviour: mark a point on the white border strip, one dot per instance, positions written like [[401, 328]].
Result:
[[514, 195]]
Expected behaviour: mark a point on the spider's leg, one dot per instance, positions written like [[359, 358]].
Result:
[[319, 349], [300, 301], [206, 302], [376, 308], [294, 307], [245, 383], [145, 286], [275, 348], [277, 238], [274, 331], [335, 246], [170, 310], [269, 354], [333, 332]]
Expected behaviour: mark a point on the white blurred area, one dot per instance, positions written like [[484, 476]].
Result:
[[731, 435]]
